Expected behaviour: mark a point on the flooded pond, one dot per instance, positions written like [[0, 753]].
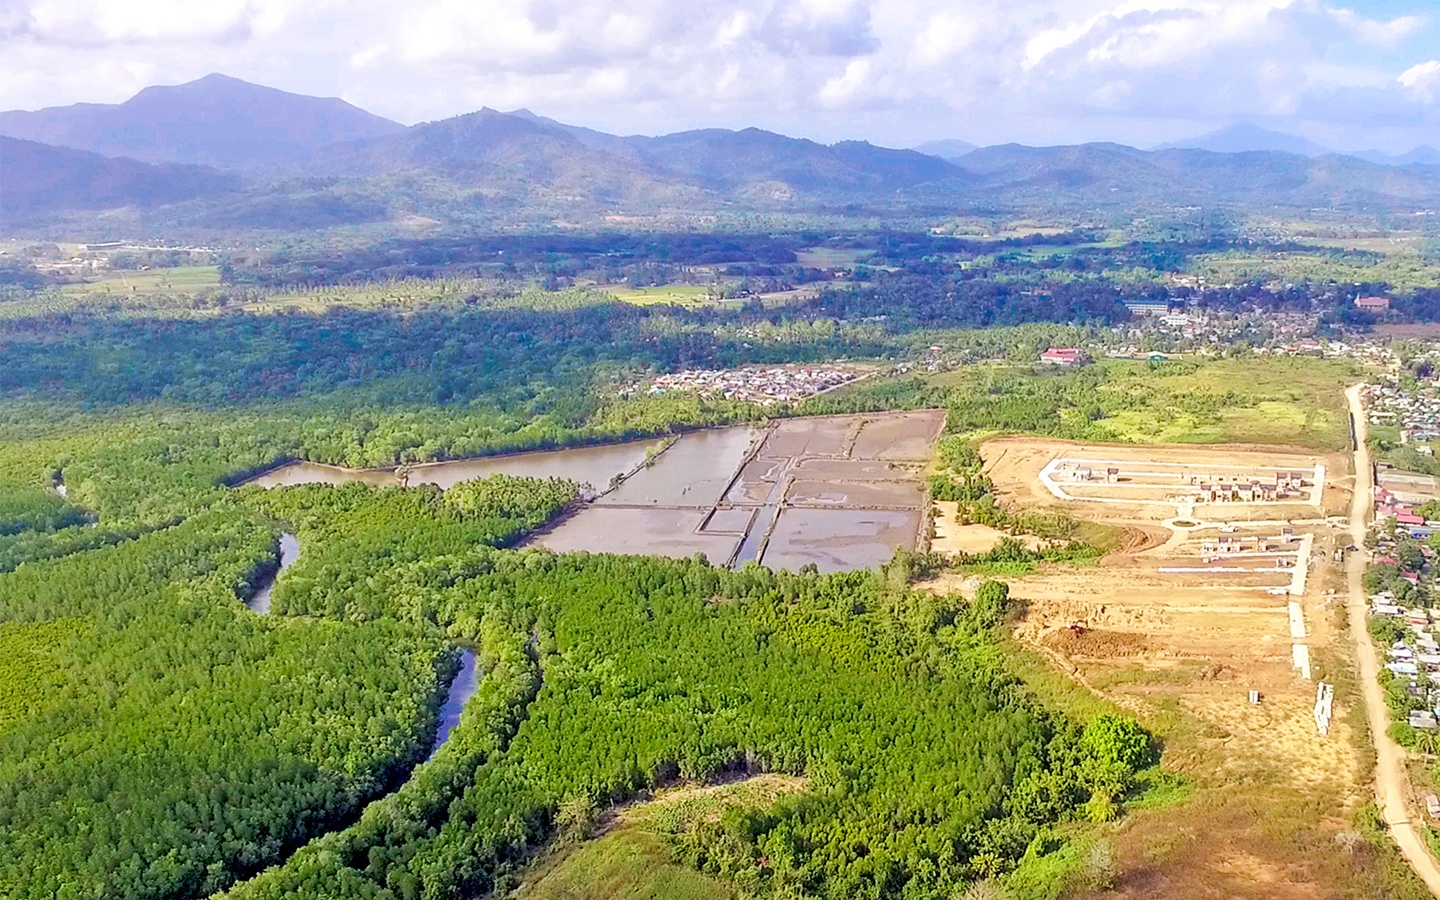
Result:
[[595, 466], [644, 532], [289, 552], [838, 540], [694, 472], [841, 492], [466, 682]]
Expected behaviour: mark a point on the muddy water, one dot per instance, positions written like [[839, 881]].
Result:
[[648, 532], [729, 521], [757, 480], [319, 473], [841, 492], [848, 495], [466, 682], [907, 436], [838, 540], [289, 552], [695, 471], [794, 438], [595, 466]]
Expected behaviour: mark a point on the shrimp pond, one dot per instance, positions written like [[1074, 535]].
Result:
[[838, 492]]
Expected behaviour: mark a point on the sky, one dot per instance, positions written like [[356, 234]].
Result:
[[1352, 74]]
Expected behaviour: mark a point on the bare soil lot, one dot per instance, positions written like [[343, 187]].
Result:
[[1015, 464], [952, 537], [1162, 630]]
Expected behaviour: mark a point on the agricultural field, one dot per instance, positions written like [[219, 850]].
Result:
[[688, 295], [1400, 266], [180, 280]]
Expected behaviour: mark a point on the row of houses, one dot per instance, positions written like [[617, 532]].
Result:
[[1287, 485]]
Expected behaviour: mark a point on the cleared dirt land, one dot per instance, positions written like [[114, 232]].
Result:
[[1177, 627], [1015, 465]]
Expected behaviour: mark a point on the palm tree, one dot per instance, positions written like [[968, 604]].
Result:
[[1426, 741]]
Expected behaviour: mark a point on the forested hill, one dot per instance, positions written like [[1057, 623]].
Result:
[[213, 121], [317, 163], [40, 180]]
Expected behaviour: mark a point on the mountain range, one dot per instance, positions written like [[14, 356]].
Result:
[[222, 153]]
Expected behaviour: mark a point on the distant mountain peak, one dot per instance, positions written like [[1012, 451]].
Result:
[[1423, 155], [1247, 137], [217, 120], [945, 149]]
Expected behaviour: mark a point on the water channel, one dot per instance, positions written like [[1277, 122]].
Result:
[[289, 551], [597, 466], [462, 688], [466, 683]]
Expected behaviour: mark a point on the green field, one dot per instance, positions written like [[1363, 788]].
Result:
[[181, 279], [690, 295], [1253, 400], [1297, 401], [1402, 269], [629, 857]]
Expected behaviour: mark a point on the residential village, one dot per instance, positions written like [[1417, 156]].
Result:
[[1404, 542], [765, 385]]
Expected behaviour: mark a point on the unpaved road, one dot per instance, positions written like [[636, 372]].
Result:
[[1390, 779]]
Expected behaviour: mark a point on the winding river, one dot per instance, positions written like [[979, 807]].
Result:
[[289, 551], [466, 682], [462, 688]]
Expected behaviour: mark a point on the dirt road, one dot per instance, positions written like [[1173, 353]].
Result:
[[1390, 780]]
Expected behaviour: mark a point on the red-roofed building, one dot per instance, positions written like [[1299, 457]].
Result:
[[1063, 356], [1387, 561], [1373, 304], [1406, 518]]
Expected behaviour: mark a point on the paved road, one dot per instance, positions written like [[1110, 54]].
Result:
[[1390, 780]]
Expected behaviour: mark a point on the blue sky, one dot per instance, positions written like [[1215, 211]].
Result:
[[1351, 74]]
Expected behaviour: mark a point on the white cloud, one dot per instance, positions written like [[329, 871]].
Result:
[[888, 70], [946, 35], [1422, 80], [148, 21], [841, 90]]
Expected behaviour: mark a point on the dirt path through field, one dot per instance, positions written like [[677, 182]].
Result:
[[1391, 787]]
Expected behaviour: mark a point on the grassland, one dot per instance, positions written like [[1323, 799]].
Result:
[[1297, 401], [151, 281], [1401, 266], [628, 857], [629, 862], [1254, 400], [688, 295]]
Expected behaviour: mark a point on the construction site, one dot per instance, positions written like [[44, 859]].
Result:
[[1215, 607]]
